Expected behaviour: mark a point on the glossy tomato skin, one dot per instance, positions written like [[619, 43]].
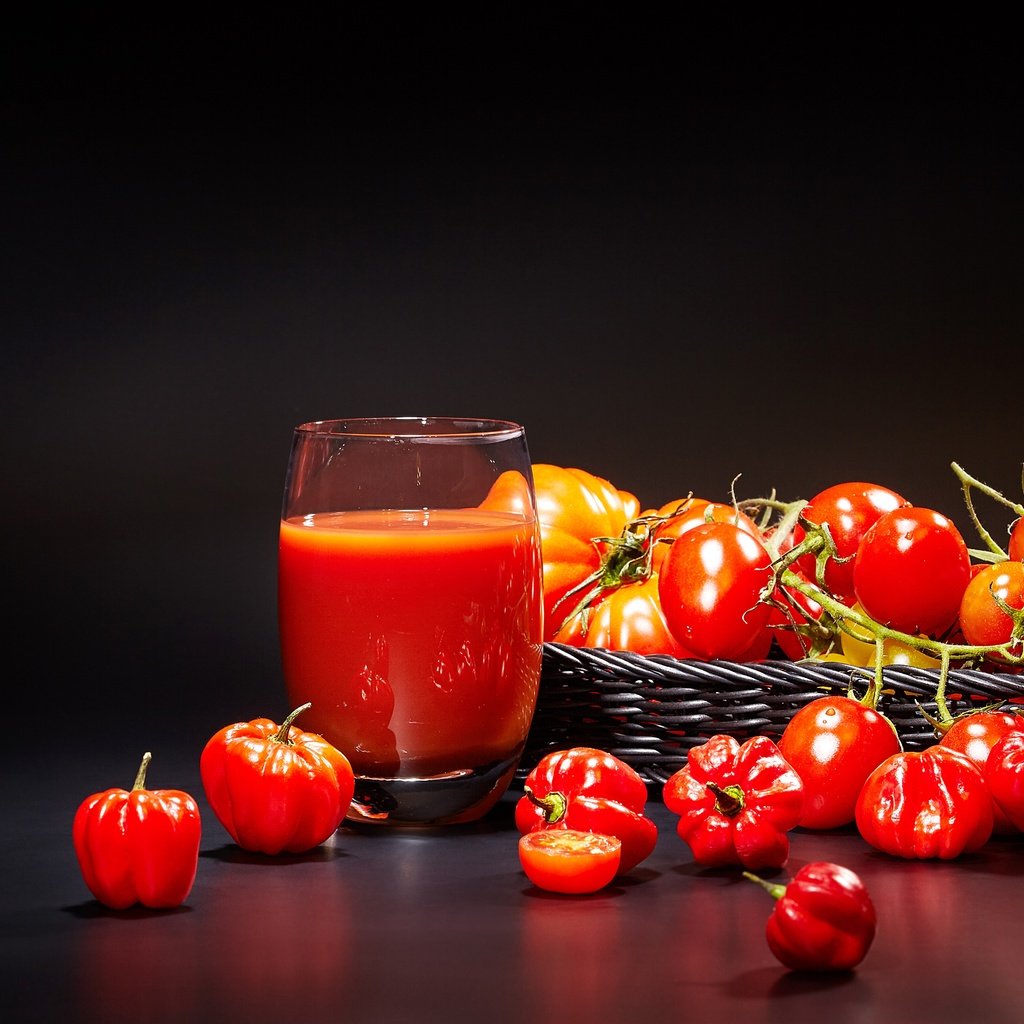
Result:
[[911, 570], [928, 804], [573, 508], [848, 509], [628, 618], [975, 735], [569, 861], [982, 621], [685, 514], [834, 743], [710, 587]]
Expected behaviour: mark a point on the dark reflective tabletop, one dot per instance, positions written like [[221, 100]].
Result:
[[441, 925]]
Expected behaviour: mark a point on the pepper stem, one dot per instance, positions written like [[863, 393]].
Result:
[[729, 801], [554, 805], [140, 777], [282, 733], [774, 889]]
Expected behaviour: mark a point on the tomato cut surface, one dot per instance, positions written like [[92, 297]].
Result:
[[569, 861]]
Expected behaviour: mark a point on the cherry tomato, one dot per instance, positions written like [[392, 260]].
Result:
[[982, 621], [710, 587], [975, 734], [628, 618], [569, 861], [1016, 548], [685, 514], [834, 743], [573, 508], [911, 570], [848, 509]]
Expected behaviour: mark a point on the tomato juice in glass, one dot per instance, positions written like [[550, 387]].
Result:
[[415, 633]]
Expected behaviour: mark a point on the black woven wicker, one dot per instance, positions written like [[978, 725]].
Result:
[[650, 710]]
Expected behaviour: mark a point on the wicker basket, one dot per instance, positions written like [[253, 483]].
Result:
[[650, 710]]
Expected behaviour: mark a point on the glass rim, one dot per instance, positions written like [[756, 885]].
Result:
[[413, 427]]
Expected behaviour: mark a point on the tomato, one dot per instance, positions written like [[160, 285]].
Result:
[[710, 587], [628, 618], [982, 621], [848, 510], [834, 743], [975, 734], [1016, 547], [911, 570], [686, 513], [569, 861], [573, 508]]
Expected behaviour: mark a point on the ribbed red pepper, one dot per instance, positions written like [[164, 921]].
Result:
[[138, 846], [736, 802], [276, 788], [823, 919], [589, 790], [926, 804]]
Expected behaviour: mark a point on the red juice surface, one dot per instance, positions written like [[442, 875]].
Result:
[[415, 635]]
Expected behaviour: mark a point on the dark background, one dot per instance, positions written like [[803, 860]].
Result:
[[677, 252]]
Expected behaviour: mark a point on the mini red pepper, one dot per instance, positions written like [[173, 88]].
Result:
[[736, 802], [276, 788], [1004, 774], [138, 846], [926, 804], [589, 790], [823, 919]]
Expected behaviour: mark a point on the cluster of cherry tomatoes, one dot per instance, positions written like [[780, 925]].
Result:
[[858, 573]]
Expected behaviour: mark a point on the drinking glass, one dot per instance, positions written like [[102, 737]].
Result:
[[410, 607]]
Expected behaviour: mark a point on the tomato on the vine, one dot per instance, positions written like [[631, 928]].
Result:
[[628, 618], [574, 508], [848, 510], [834, 743], [911, 570], [569, 860], [982, 621], [710, 587], [683, 515]]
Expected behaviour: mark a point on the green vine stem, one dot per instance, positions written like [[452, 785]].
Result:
[[967, 482]]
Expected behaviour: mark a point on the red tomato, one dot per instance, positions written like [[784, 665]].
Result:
[[573, 508], [570, 861], [685, 514], [911, 570], [628, 618], [982, 621], [834, 743], [975, 735], [848, 509], [1016, 548], [710, 587]]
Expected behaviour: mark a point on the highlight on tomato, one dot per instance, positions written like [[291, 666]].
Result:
[[992, 608], [678, 517], [911, 570], [568, 860], [848, 510], [710, 587]]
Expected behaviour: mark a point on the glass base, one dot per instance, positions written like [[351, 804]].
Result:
[[452, 798]]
